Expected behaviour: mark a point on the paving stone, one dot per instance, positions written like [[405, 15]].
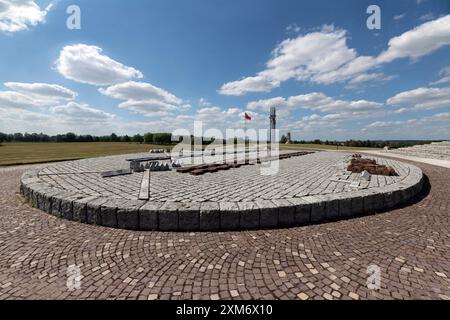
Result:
[[49, 194], [189, 217], [357, 206], [268, 213], [378, 201], [286, 212], [318, 210], [148, 216], [209, 216], [128, 215], [93, 211], [229, 216], [67, 208], [79, 211], [108, 213], [168, 216], [302, 211], [249, 215], [332, 208], [345, 207]]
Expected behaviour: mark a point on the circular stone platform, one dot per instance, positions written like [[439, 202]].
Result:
[[307, 189]]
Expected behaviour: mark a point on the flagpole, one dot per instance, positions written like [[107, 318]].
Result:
[[246, 118], [245, 133]]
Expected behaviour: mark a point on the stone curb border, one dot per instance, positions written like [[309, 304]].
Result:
[[215, 216]]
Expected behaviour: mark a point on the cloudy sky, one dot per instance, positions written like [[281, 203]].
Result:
[[146, 66]]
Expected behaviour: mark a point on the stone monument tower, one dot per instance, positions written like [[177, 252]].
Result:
[[273, 124], [288, 138]]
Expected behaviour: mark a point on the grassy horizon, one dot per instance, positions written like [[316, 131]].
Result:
[[22, 153]]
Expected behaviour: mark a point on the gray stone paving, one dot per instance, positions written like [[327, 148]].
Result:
[[435, 150], [307, 189]]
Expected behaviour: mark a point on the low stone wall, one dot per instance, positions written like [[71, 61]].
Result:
[[209, 216]]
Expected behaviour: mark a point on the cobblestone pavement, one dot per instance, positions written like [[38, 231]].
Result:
[[297, 177], [411, 245]]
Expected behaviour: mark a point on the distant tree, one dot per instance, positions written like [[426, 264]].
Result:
[[138, 138], [162, 138], [283, 139], [18, 137], [113, 137], [70, 137], [148, 138]]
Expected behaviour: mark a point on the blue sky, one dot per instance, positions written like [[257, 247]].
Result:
[[138, 66]]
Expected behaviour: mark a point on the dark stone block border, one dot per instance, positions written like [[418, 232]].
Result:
[[213, 216]]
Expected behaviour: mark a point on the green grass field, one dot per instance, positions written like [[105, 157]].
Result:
[[30, 153]]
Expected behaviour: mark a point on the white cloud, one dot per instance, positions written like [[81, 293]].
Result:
[[145, 98], [42, 91], [209, 110], [42, 107], [370, 79], [139, 91], [10, 114], [323, 57], [72, 117], [426, 17], [328, 114], [148, 108], [265, 104], [17, 100], [222, 119], [260, 83], [418, 42], [184, 117], [317, 101], [75, 111], [399, 16], [233, 111], [445, 74], [26, 95], [213, 116], [20, 15], [411, 128], [301, 58], [293, 28], [86, 64], [422, 98], [204, 103]]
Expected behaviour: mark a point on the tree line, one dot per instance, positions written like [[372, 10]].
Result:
[[156, 138], [166, 139], [364, 143]]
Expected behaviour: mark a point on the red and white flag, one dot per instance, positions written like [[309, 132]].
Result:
[[247, 116]]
